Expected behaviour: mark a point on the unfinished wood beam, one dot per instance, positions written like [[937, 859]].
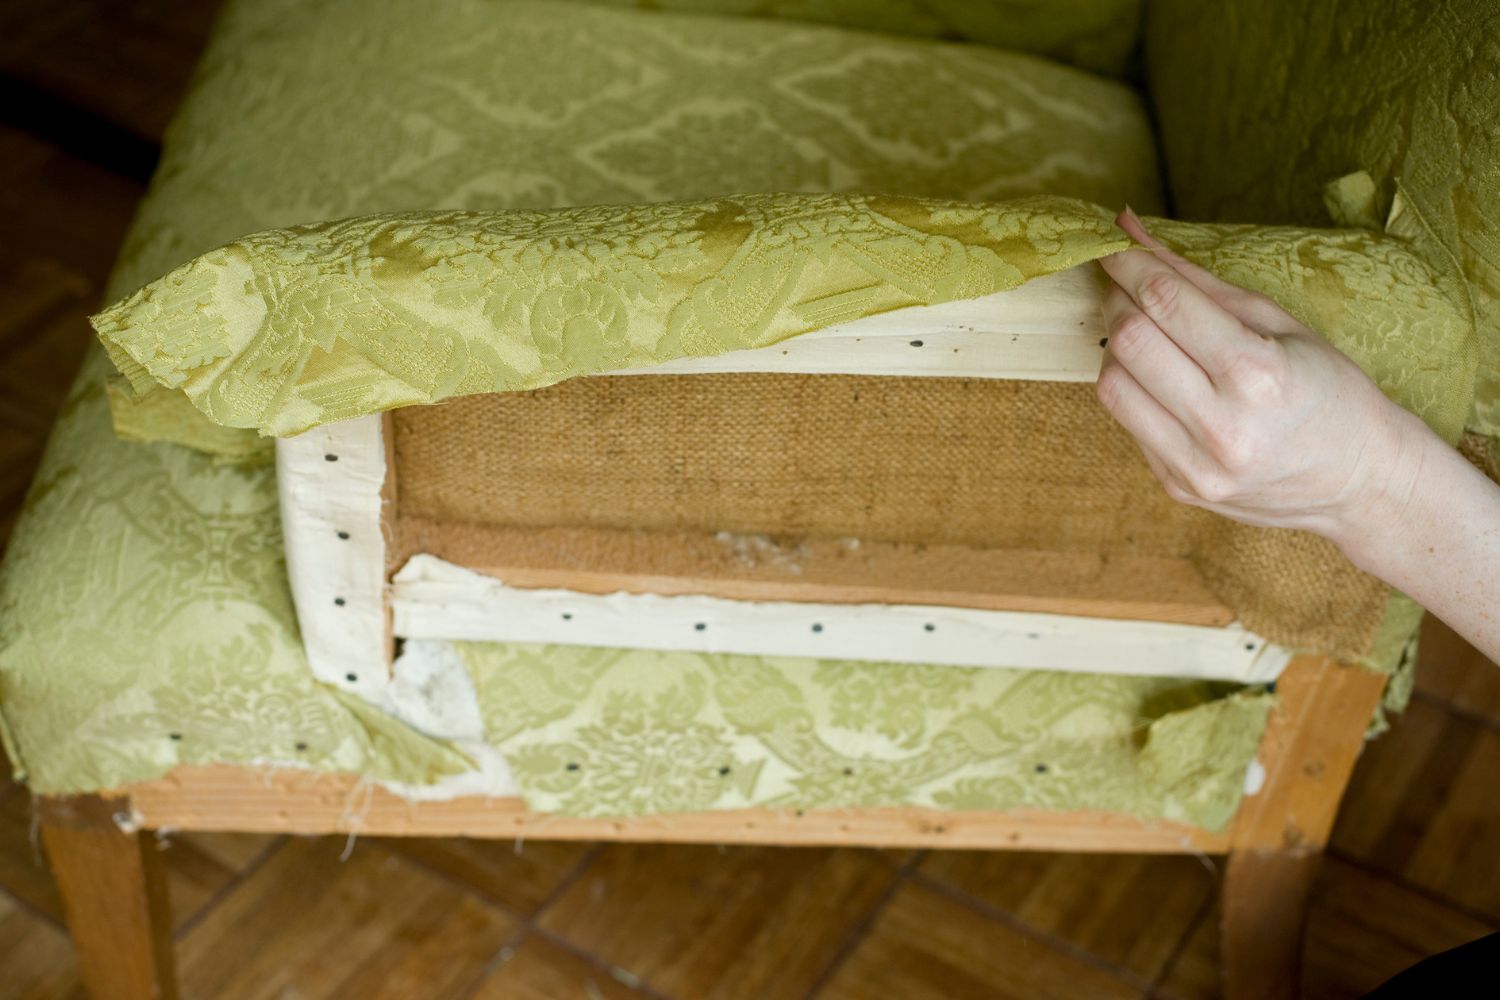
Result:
[[834, 571], [1049, 329], [255, 799]]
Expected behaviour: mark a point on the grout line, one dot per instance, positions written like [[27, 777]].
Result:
[[525, 925], [235, 882], [635, 983], [566, 882], [1048, 939], [861, 929], [491, 965], [1205, 910], [26, 906], [1466, 714], [1426, 892], [470, 889]]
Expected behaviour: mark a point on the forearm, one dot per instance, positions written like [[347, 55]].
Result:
[[1436, 537]]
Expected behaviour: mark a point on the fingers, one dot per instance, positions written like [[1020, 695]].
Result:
[[1211, 284], [1203, 329], [1159, 433], [1248, 307], [1155, 361]]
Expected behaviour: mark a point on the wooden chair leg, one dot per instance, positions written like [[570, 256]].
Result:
[[1264, 915], [114, 898], [1312, 740]]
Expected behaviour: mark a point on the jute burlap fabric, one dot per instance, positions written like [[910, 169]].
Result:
[[980, 462]]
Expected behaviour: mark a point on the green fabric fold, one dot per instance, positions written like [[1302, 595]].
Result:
[[288, 329]]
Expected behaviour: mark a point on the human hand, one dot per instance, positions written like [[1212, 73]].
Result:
[[1244, 411]]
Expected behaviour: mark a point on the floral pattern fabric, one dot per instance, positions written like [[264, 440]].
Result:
[[144, 614], [601, 732], [1265, 105]]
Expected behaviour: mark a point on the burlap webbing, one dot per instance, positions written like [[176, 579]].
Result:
[[981, 462]]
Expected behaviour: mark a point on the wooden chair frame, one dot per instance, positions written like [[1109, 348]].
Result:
[[114, 898], [109, 876]]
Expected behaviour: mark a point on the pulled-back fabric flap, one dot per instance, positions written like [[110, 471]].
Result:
[[289, 329], [285, 330]]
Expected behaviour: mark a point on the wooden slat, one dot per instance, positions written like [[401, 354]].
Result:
[[757, 568], [252, 799]]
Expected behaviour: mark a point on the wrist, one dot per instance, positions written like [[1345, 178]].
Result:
[[1384, 516]]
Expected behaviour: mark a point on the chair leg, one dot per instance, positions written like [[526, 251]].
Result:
[[1264, 914], [1312, 740], [114, 898]]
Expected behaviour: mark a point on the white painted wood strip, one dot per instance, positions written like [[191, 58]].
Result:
[[433, 599], [329, 481], [1048, 329]]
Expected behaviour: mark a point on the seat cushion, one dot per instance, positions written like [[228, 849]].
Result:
[[1097, 35], [482, 105], [144, 615]]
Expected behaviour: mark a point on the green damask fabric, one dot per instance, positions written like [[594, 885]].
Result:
[[145, 621], [1097, 35], [286, 330], [144, 616], [600, 732], [1263, 104], [480, 106]]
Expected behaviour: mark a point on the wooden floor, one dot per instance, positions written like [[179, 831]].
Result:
[[85, 90]]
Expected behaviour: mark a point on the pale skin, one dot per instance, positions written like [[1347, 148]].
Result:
[[1242, 410]]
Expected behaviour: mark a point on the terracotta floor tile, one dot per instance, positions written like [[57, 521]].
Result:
[[1423, 806], [234, 851], [312, 926], [520, 878], [927, 945], [36, 959], [707, 923], [197, 872], [1454, 672], [23, 869], [544, 970], [1131, 910], [1194, 974], [1363, 928]]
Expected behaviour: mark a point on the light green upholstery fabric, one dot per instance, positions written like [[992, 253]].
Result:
[[607, 732], [1264, 103], [463, 104], [144, 617], [285, 330], [1097, 35]]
